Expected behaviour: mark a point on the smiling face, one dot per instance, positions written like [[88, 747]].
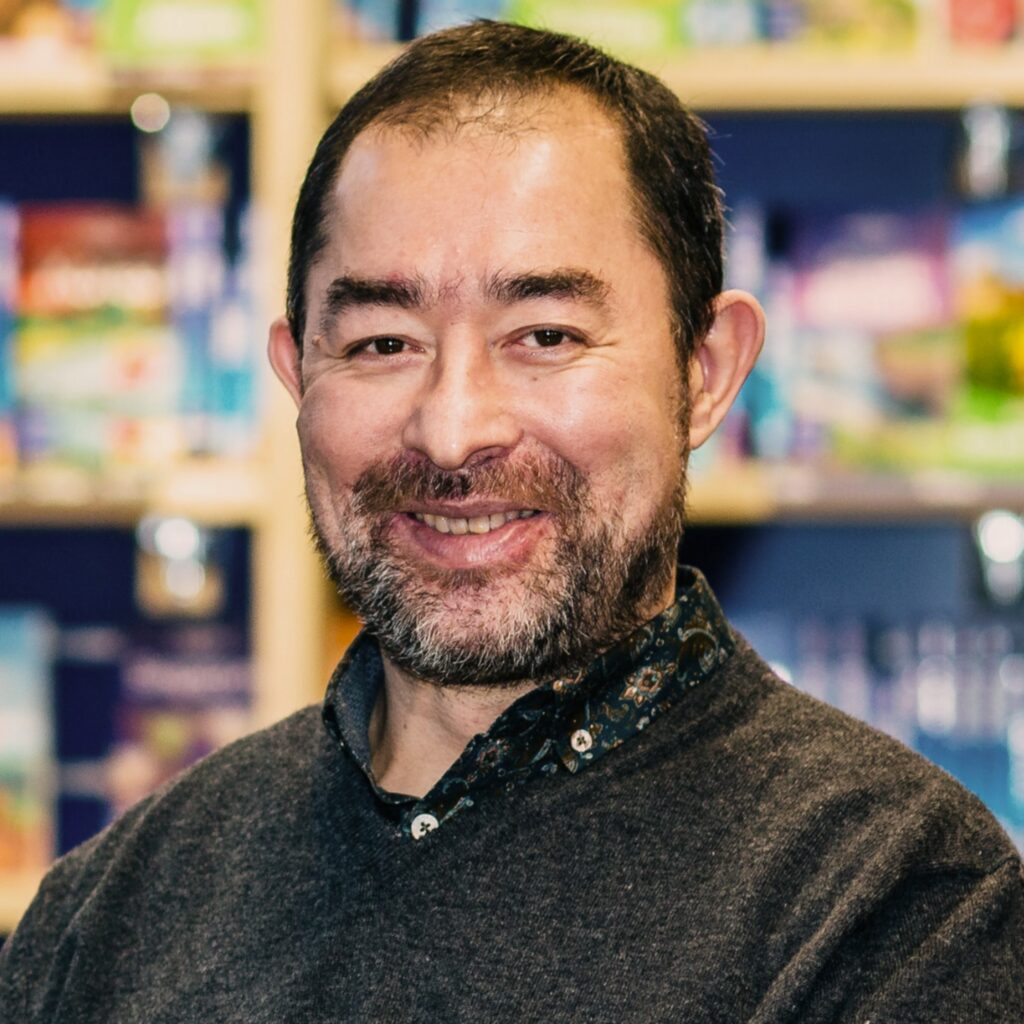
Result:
[[492, 416]]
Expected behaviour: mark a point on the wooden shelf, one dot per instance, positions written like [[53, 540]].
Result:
[[214, 492], [77, 85], [16, 892], [752, 493], [778, 79], [781, 78]]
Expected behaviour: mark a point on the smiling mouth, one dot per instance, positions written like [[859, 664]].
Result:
[[473, 524]]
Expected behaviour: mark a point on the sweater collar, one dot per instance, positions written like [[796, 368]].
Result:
[[561, 726]]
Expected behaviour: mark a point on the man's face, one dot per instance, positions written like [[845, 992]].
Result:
[[493, 418]]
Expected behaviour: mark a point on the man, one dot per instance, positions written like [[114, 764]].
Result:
[[554, 785]]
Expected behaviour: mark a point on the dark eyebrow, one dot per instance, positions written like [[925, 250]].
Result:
[[349, 291], [564, 283]]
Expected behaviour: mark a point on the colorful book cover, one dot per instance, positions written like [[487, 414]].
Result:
[[876, 272], [644, 25], [26, 744], [783, 21], [983, 22], [197, 276], [876, 24], [182, 697], [193, 32], [988, 261], [433, 15], [989, 271], [878, 363], [99, 369], [374, 21], [720, 22], [9, 249], [84, 257], [98, 392]]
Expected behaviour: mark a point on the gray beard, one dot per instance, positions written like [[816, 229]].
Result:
[[598, 587]]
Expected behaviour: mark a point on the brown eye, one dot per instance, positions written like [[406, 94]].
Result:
[[548, 337], [387, 346]]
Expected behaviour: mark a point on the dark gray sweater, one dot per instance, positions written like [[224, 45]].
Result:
[[751, 856]]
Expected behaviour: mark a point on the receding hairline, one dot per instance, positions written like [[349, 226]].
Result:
[[501, 112], [494, 106]]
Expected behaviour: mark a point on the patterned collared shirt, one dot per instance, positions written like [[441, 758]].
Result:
[[564, 725]]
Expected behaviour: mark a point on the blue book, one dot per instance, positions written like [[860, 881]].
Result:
[[8, 290], [26, 740]]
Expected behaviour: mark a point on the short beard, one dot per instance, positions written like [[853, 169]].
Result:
[[598, 586]]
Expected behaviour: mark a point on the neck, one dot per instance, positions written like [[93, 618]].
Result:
[[418, 729]]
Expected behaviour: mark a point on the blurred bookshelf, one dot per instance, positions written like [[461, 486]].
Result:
[[797, 80], [755, 493], [781, 78], [211, 492], [80, 86], [258, 494]]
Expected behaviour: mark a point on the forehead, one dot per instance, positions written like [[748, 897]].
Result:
[[549, 170], [566, 112]]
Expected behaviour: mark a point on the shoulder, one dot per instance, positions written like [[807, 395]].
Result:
[[908, 896], [806, 767], [186, 855], [258, 783]]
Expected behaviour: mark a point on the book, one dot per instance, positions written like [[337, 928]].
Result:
[[26, 740], [9, 249], [130, 341], [877, 357], [987, 420], [643, 25], [184, 693], [982, 22], [96, 365], [193, 33]]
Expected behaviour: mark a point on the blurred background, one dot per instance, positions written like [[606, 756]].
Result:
[[859, 514]]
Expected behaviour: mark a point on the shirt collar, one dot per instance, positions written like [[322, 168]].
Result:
[[565, 725]]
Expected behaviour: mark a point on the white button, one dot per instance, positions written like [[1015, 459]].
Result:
[[422, 824], [581, 741]]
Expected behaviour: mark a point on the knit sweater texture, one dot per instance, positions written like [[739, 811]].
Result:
[[752, 855]]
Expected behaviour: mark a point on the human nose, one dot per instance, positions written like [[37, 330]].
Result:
[[463, 413]]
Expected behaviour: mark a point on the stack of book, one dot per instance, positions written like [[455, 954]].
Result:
[[128, 341], [894, 341]]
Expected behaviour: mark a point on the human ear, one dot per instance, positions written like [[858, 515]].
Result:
[[285, 357], [723, 360]]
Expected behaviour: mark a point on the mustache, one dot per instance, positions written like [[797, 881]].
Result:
[[546, 482]]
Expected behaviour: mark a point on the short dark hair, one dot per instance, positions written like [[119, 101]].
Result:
[[678, 204]]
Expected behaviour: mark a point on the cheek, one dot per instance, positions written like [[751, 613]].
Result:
[[621, 432], [339, 437]]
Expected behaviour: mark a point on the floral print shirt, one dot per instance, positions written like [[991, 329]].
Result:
[[561, 726]]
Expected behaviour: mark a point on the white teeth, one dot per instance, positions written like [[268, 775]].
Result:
[[476, 524]]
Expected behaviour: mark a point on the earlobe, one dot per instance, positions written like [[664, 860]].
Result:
[[723, 361], [285, 357]]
